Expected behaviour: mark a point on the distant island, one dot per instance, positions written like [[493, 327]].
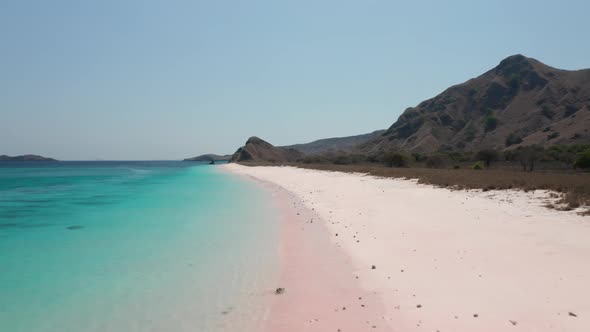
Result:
[[209, 158], [26, 157]]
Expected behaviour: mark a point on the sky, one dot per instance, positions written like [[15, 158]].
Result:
[[151, 80]]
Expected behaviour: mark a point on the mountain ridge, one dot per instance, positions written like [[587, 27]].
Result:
[[519, 102], [334, 144]]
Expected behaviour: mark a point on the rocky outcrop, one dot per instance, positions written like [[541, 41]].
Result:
[[258, 150]]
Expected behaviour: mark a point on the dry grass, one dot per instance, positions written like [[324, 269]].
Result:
[[574, 187]]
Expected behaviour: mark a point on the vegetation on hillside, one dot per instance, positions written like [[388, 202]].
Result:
[[529, 158]]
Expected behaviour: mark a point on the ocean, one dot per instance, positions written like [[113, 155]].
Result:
[[133, 246]]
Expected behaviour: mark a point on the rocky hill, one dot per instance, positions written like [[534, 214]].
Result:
[[259, 150], [519, 102], [210, 157], [26, 157], [335, 144]]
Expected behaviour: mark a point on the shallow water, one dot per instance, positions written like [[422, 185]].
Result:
[[132, 246]]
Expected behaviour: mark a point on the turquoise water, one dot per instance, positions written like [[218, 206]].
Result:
[[132, 246]]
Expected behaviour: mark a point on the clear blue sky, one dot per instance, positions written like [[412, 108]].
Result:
[[171, 79]]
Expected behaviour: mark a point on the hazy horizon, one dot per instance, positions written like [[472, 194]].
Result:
[[149, 80]]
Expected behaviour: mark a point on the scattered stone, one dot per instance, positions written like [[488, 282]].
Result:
[[373, 267], [419, 306], [513, 322], [572, 314], [279, 291], [475, 315]]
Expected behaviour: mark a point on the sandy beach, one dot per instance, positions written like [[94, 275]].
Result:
[[363, 253]]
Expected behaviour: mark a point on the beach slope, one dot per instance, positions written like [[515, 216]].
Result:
[[435, 259]]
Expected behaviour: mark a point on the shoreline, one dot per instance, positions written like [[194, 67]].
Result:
[[445, 260], [321, 289]]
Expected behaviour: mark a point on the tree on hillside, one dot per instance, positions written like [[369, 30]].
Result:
[[491, 123], [528, 156], [487, 156], [583, 160], [438, 160], [395, 159]]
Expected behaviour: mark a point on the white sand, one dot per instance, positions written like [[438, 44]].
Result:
[[499, 255]]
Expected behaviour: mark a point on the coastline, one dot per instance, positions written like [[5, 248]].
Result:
[[444, 260], [321, 289]]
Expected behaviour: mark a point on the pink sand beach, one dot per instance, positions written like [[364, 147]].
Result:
[[360, 253]]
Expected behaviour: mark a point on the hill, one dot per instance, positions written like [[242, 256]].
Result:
[[209, 157], [26, 157], [259, 150], [335, 144], [519, 102]]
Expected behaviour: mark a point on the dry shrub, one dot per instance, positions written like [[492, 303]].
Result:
[[572, 200], [574, 185]]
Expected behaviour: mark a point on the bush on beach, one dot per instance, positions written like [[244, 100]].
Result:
[[583, 160], [477, 166], [395, 159]]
